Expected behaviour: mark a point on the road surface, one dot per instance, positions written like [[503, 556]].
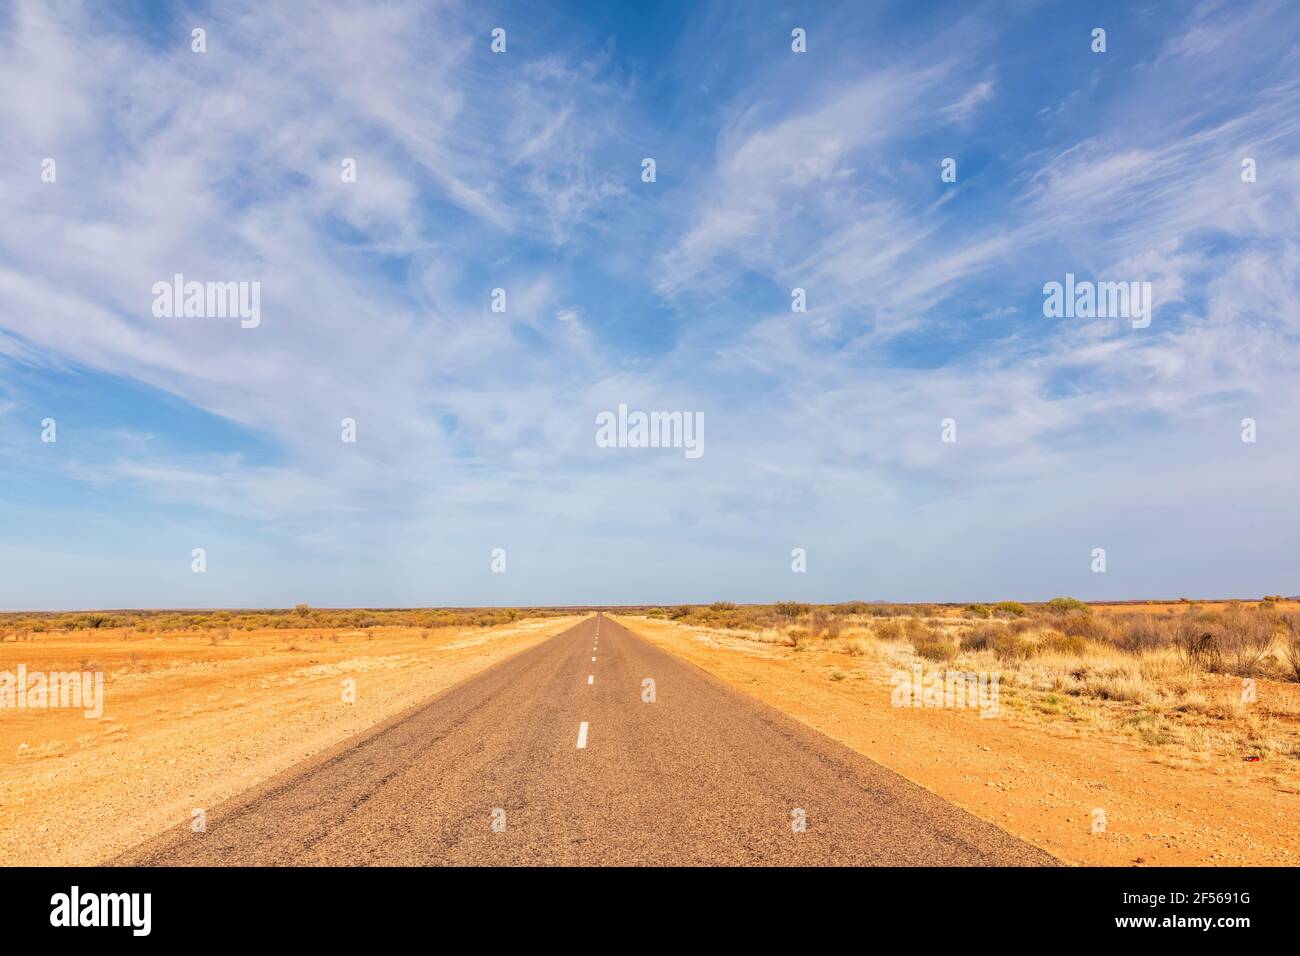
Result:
[[556, 756]]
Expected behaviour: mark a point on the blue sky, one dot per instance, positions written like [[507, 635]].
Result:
[[522, 171]]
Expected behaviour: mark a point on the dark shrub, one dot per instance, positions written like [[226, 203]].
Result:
[[1137, 633], [790, 609], [1090, 626]]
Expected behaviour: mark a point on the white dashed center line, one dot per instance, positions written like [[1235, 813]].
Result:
[[593, 658], [591, 678], [582, 735]]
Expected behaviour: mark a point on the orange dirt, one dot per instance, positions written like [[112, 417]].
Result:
[[188, 722], [1178, 607]]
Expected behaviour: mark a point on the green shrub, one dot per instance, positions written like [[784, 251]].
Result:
[[1066, 605], [1009, 609]]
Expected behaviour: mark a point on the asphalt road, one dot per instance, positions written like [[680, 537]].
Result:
[[553, 757]]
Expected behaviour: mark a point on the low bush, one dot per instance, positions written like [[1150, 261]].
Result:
[[851, 607], [1093, 627], [1237, 640], [933, 645], [1004, 642], [890, 630], [1056, 642], [1138, 633], [1291, 643], [1066, 605]]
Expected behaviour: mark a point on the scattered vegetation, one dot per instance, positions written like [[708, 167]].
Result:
[[30, 625], [1160, 673]]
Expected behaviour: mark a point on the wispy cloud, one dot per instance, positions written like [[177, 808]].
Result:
[[522, 172]]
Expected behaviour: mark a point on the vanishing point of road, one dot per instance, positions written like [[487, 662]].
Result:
[[556, 756]]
